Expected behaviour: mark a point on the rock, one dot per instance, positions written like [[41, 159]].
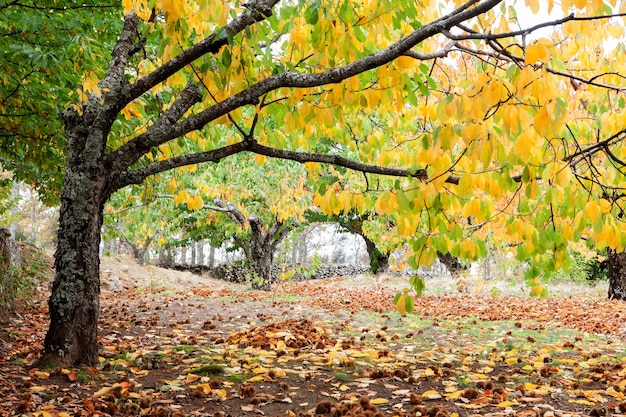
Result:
[[239, 273]]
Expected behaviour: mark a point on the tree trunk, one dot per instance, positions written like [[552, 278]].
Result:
[[199, 253], [617, 275], [379, 262], [211, 256], [261, 254], [454, 266], [74, 303]]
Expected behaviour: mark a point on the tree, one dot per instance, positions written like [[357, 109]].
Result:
[[617, 275], [261, 205], [46, 47], [306, 70]]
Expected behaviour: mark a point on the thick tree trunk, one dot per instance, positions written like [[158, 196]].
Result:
[[617, 275], [74, 303]]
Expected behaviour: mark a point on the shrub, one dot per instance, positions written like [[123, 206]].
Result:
[[19, 283]]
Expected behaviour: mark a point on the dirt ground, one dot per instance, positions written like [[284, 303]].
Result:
[[174, 344]]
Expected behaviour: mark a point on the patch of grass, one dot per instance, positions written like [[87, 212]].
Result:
[[342, 376], [235, 377], [184, 348], [209, 369], [83, 376]]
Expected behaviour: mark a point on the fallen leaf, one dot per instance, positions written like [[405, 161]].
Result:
[[378, 401]]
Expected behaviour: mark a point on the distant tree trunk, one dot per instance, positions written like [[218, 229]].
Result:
[[211, 256], [183, 255], [139, 252], [199, 253], [193, 253], [261, 253], [9, 252], [379, 261], [303, 248], [617, 275], [452, 263]]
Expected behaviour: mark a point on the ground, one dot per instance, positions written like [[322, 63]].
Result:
[[175, 344]]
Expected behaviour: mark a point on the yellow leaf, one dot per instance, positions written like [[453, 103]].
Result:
[[203, 389], [180, 197], [431, 395], [605, 206], [542, 122], [533, 5], [455, 395], [378, 401], [538, 51], [172, 185], [511, 361], [257, 378], [400, 304], [195, 202], [507, 403], [41, 374], [260, 159], [584, 402]]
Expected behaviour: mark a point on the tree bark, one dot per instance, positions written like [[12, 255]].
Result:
[[617, 275], [262, 248], [74, 303], [454, 266]]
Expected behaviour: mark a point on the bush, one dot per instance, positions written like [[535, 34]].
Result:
[[584, 269], [19, 283]]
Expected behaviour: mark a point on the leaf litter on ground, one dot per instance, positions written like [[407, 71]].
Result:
[[336, 351]]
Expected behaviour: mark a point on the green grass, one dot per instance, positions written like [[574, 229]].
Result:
[[207, 370]]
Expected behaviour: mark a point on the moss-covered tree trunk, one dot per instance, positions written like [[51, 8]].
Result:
[[617, 275]]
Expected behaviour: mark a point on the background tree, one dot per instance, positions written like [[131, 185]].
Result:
[[489, 121], [259, 206]]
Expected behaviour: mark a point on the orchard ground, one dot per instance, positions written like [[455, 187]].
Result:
[[174, 344]]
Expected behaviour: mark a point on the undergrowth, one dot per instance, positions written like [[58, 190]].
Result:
[[18, 283]]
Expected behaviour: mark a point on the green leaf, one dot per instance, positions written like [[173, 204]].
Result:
[[226, 58], [418, 284]]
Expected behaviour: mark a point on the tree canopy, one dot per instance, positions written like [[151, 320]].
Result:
[[495, 125], [46, 48]]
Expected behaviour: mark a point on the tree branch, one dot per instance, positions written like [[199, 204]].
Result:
[[136, 176], [256, 11], [157, 133]]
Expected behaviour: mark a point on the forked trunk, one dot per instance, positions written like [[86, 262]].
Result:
[[617, 275]]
